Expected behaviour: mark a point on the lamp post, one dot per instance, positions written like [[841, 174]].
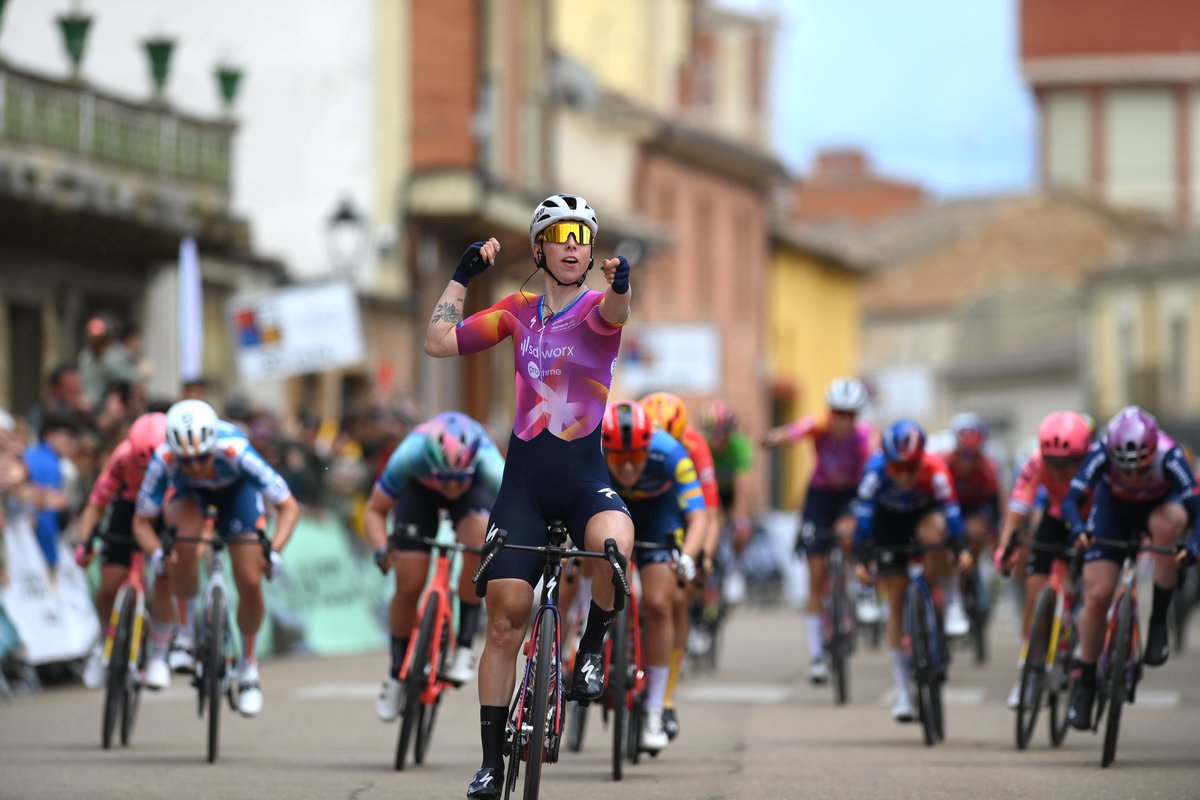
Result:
[[347, 236], [158, 51], [74, 28]]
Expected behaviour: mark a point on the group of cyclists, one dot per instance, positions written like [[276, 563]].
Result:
[[635, 471]]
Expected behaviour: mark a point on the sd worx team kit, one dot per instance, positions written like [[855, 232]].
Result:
[[554, 467]]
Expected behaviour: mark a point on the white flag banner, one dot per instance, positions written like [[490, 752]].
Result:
[[191, 311], [53, 614]]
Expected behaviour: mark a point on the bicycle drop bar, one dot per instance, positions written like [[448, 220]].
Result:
[[410, 535], [499, 542], [169, 539], [1135, 546]]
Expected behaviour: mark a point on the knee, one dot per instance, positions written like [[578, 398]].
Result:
[[1097, 599], [1168, 523], [658, 609], [504, 630]]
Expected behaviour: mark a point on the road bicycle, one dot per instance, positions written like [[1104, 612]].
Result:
[[217, 645], [976, 607], [124, 646], [1120, 666], [423, 672], [535, 722], [1045, 660]]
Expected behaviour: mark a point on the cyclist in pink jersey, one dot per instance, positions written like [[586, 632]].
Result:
[[843, 447], [1063, 441], [565, 344], [115, 491]]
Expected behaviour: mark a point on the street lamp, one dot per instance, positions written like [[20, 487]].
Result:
[[348, 237]]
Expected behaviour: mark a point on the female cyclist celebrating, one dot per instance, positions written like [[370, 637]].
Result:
[[565, 345]]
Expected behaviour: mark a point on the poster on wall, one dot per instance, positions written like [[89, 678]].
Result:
[[296, 330], [684, 358]]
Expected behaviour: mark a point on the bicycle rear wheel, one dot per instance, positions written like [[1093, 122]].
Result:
[[214, 669], [539, 718], [1062, 680], [117, 684], [1033, 674], [618, 674], [1116, 678], [419, 667], [429, 718]]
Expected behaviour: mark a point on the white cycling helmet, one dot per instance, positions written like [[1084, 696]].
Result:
[[558, 207], [191, 428], [846, 394]]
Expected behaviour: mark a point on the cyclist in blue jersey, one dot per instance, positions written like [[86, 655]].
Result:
[[565, 343], [1142, 484], [655, 475], [447, 463], [204, 463], [906, 496]]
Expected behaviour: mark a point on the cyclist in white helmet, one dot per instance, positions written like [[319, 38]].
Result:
[[207, 462], [842, 446]]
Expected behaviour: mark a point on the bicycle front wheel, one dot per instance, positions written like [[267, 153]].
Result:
[[838, 635], [214, 669], [920, 609], [133, 691], [1033, 674], [618, 674], [419, 667], [429, 717], [1118, 661], [539, 714], [117, 684], [1062, 681]]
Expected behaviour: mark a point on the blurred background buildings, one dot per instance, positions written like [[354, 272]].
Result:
[[367, 142]]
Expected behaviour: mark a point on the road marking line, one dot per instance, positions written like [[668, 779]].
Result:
[[754, 693], [337, 691], [951, 696]]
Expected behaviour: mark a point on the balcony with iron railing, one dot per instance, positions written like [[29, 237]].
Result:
[[129, 156]]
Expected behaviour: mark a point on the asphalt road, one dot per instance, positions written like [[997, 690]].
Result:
[[752, 730]]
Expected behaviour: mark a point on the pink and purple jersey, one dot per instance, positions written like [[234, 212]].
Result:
[[564, 366], [840, 462], [1034, 474], [122, 477]]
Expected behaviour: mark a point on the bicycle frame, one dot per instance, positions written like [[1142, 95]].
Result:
[[133, 582], [518, 727], [437, 587], [1126, 584]]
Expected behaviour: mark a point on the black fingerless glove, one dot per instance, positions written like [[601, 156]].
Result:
[[470, 265], [620, 282]]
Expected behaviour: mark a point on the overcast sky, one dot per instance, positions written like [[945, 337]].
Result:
[[931, 89]]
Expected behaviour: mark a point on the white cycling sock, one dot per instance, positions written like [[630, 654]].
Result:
[[900, 670], [952, 590], [814, 627], [656, 685], [583, 600], [161, 634]]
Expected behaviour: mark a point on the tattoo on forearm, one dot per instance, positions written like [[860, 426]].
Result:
[[447, 312]]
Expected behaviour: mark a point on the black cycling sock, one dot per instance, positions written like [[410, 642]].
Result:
[[399, 647], [492, 720], [468, 618], [598, 621], [1162, 601], [1087, 675]]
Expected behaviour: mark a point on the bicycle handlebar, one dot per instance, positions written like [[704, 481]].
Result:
[[169, 539], [1135, 546], [410, 535], [499, 542]]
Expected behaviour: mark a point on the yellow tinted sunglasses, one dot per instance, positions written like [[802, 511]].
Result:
[[559, 232]]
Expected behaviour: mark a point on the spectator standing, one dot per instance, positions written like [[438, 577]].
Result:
[[58, 440], [104, 360]]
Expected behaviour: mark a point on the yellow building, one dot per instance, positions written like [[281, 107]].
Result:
[[814, 323]]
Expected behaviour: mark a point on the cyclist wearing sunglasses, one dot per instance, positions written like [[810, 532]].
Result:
[[658, 480], [1044, 479], [842, 446], [565, 343], [669, 413], [205, 462], [906, 496], [116, 490], [976, 480], [1142, 483], [445, 463]]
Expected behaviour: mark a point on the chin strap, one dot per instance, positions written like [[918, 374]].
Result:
[[541, 264]]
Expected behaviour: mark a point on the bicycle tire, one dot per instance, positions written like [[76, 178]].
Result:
[[117, 682], [539, 718], [975, 613], [618, 675], [419, 667], [838, 639], [429, 716], [133, 692], [633, 728], [1063, 681], [1033, 673], [1115, 679], [576, 714], [922, 664], [213, 668]]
